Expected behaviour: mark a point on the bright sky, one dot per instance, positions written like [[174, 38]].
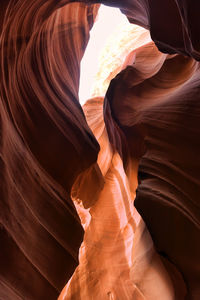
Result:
[[108, 19]]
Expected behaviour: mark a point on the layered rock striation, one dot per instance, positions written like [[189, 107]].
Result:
[[65, 170]]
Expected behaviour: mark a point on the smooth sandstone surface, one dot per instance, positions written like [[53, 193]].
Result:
[[52, 152]]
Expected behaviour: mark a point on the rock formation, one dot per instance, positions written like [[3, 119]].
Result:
[[44, 137], [52, 152]]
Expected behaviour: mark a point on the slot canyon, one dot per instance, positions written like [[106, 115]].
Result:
[[99, 200]]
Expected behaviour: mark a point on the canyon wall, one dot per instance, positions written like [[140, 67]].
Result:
[[66, 170]]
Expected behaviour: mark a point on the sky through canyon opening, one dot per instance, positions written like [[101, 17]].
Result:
[[108, 19]]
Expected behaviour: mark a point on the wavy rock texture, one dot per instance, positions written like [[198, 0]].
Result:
[[173, 24], [117, 54], [160, 111], [151, 113], [44, 137], [117, 259]]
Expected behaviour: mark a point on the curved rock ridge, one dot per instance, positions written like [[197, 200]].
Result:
[[154, 107], [117, 259], [44, 136], [174, 24], [49, 154], [117, 54]]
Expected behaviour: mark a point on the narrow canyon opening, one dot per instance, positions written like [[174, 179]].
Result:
[[108, 20]]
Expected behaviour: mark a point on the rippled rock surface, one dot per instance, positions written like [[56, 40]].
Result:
[[50, 154], [44, 138]]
